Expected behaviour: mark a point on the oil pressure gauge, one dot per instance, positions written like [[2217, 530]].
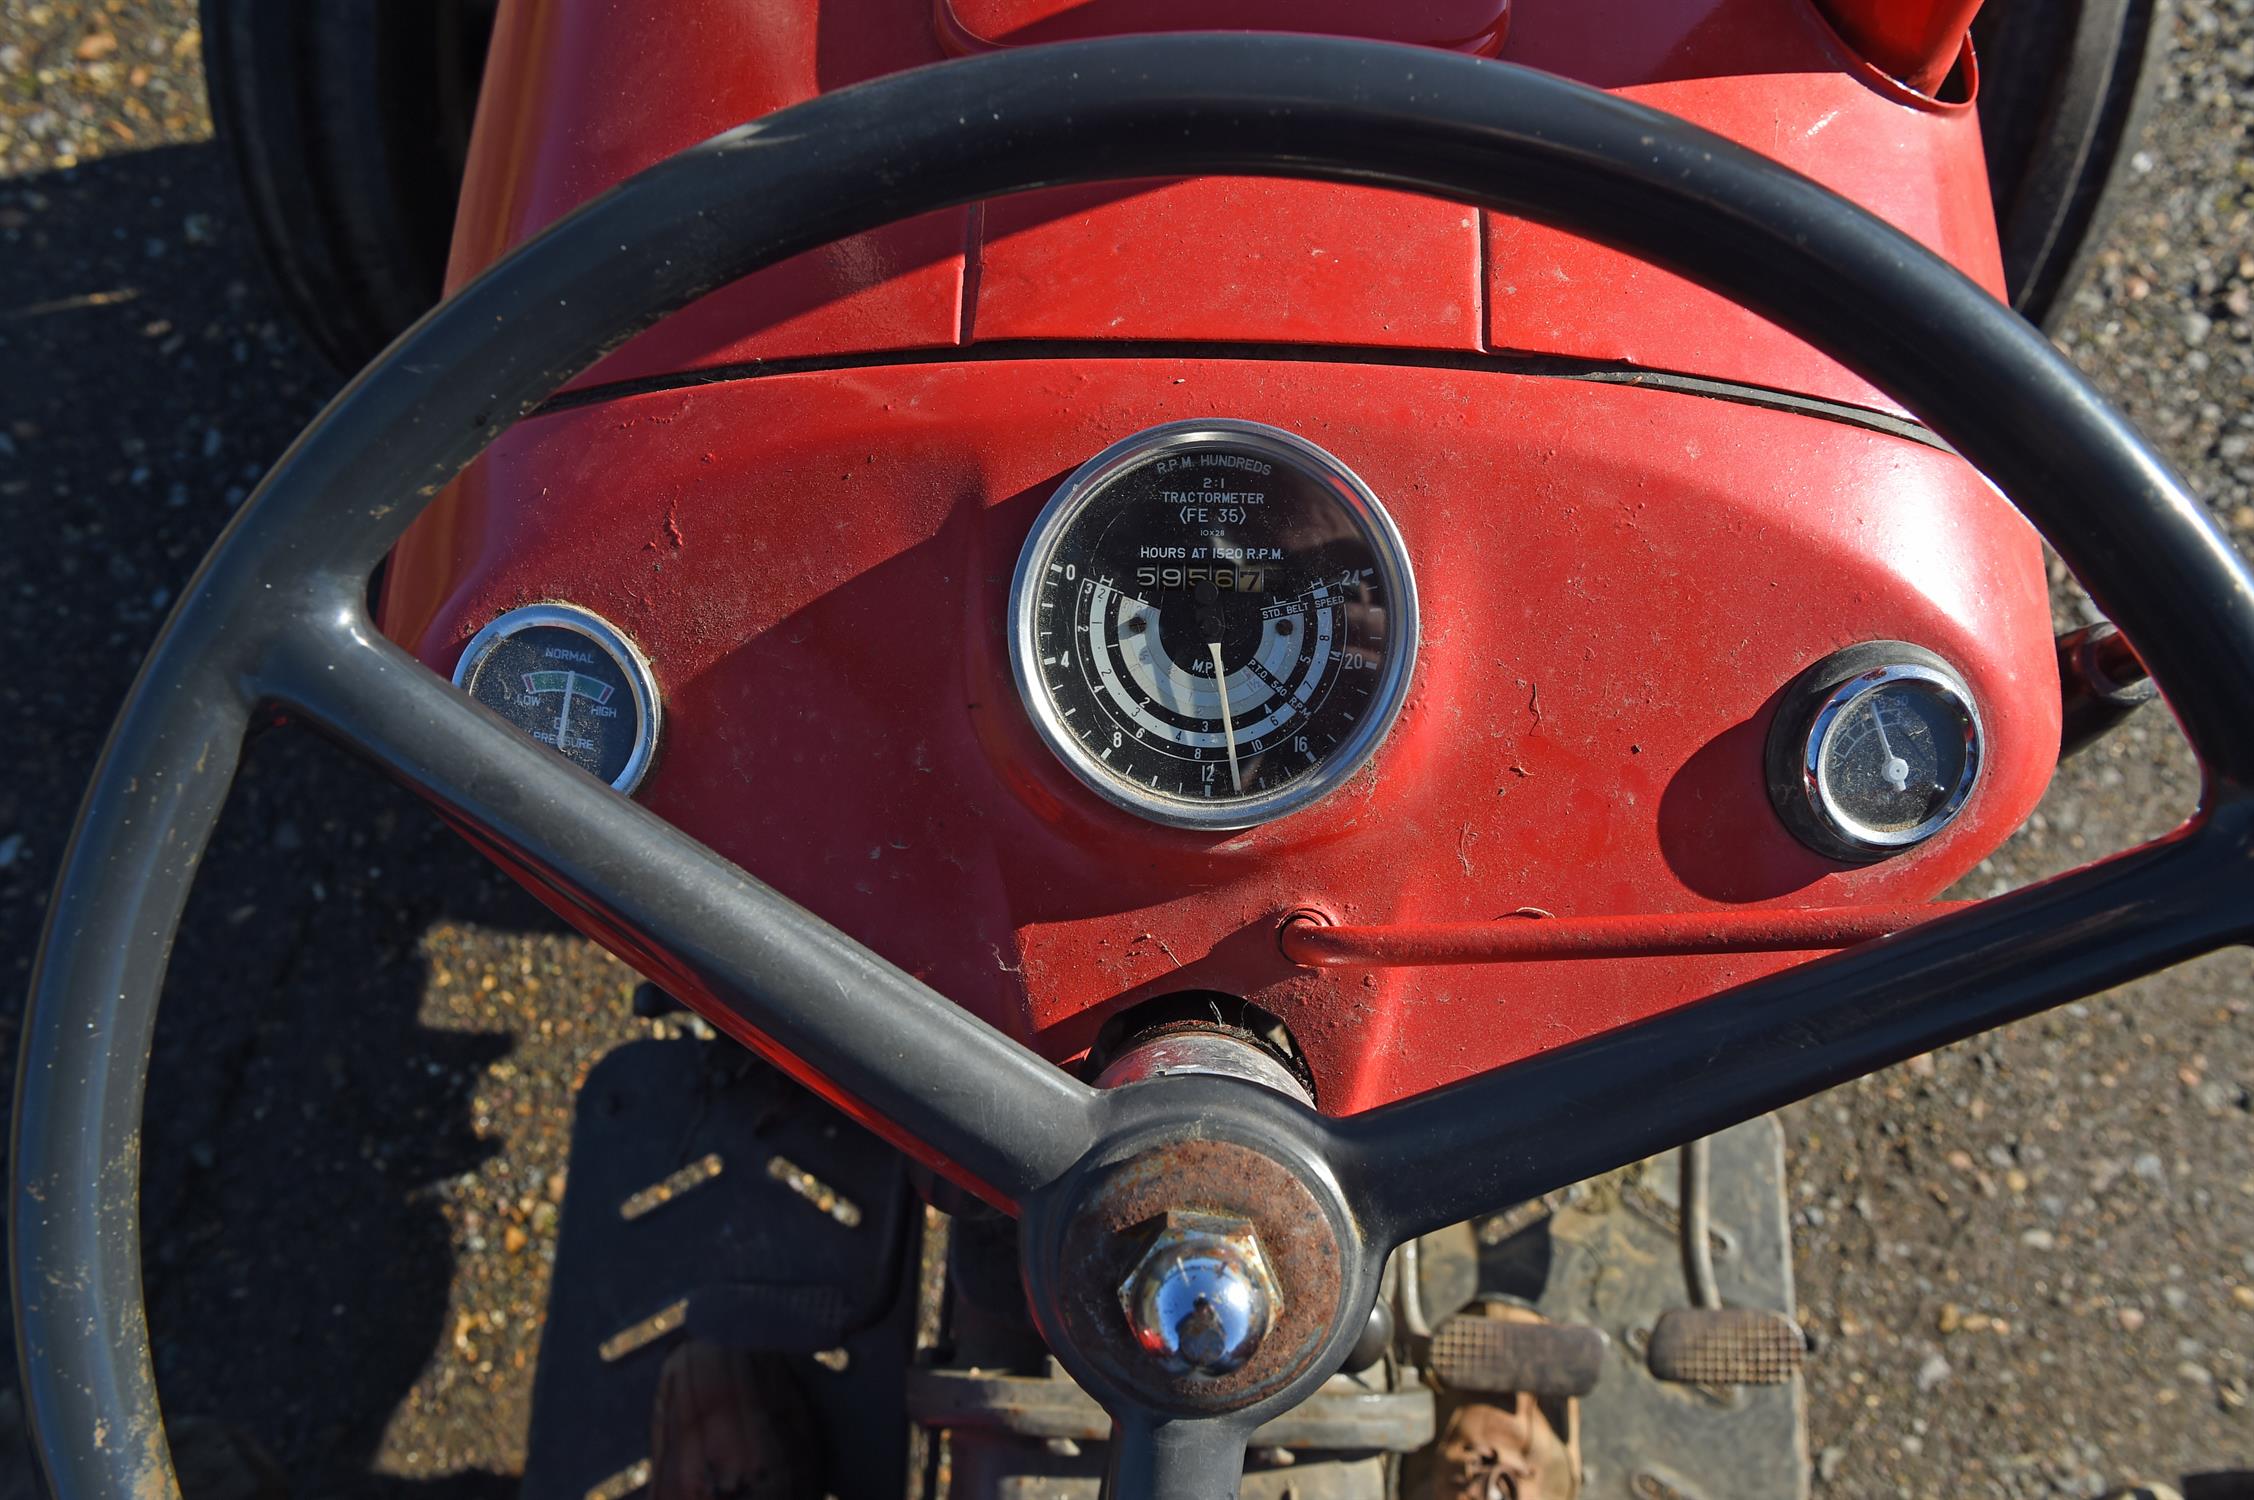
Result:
[[1213, 623], [570, 679], [1875, 750]]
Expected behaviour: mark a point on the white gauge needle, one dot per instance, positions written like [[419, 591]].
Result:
[[1897, 770], [563, 721], [1228, 728]]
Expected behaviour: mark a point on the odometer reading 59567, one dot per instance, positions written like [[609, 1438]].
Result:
[[1213, 623]]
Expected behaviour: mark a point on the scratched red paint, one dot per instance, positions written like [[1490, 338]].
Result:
[[1616, 581]]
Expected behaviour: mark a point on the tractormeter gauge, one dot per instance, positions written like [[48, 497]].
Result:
[[572, 681], [1213, 623], [1876, 751]]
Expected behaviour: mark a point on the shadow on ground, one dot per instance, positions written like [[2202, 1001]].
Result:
[[302, 1119]]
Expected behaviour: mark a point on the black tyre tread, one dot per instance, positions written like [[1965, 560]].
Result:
[[2065, 88], [347, 122]]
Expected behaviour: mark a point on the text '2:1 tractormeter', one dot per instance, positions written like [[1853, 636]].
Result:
[[569, 679], [1213, 623]]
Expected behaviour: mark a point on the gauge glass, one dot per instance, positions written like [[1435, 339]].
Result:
[[1213, 623], [1893, 755], [569, 679]]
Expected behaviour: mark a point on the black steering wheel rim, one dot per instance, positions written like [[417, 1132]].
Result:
[[276, 615]]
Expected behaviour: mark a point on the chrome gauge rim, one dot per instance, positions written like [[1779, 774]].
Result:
[[1833, 711], [1088, 484], [605, 637]]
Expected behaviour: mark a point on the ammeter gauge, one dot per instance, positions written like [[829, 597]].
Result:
[[1875, 750]]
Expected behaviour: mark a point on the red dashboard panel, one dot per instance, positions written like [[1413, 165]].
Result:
[[1278, 262], [965, 26], [1776, 79], [1615, 582], [581, 95]]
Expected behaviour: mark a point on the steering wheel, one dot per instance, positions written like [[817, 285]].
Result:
[[276, 617]]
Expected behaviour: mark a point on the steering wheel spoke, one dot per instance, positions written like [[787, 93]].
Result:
[[932, 1078], [1557, 1118], [1158, 1458]]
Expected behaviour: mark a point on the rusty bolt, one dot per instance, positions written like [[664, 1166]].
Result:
[[1202, 1297]]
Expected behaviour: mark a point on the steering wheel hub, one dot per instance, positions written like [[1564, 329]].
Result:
[[1229, 1267]]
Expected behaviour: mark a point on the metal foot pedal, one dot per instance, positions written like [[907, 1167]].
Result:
[[1726, 1346], [1471, 1352]]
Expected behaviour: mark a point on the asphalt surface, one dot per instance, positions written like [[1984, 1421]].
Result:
[[2030, 1258]]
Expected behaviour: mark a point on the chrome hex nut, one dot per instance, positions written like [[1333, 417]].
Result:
[[1202, 1297]]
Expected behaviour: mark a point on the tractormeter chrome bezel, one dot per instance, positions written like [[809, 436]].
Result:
[[607, 638], [1085, 485]]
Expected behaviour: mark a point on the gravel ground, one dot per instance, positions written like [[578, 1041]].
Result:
[[360, 1106], [2027, 1256]]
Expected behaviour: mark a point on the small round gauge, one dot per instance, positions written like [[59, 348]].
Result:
[[1213, 623], [1875, 751], [572, 681]]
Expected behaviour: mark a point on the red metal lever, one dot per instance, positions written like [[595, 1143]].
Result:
[[1315, 944]]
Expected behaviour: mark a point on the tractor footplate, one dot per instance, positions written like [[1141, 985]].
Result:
[[1607, 1255], [712, 1199]]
